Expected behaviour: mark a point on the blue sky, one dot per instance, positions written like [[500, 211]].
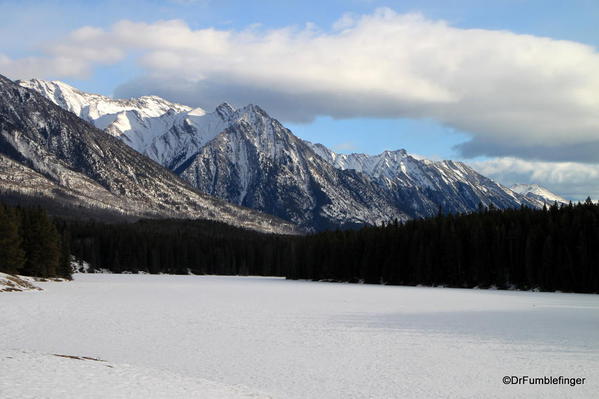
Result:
[[375, 118]]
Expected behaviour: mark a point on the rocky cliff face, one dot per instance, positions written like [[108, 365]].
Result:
[[166, 132], [70, 157], [258, 163], [248, 158], [421, 187]]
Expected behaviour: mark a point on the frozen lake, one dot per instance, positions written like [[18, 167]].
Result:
[[298, 339]]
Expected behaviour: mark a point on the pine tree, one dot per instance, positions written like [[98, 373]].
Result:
[[41, 243], [12, 256], [64, 269]]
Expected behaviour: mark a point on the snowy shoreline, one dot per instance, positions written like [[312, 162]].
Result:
[[84, 268]]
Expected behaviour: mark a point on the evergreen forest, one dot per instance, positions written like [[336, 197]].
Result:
[[550, 249], [31, 245]]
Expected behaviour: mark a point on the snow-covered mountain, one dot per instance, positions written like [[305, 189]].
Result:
[[248, 158], [243, 156], [258, 163], [537, 192], [48, 152], [421, 186], [167, 132]]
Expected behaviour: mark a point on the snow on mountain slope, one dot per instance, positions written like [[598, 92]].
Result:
[[248, 158], [136, 121], [167, 132], [453, 186], [67, 151], [254, 161], [539, 193], [92, 107], [257, 162], [69, 187]]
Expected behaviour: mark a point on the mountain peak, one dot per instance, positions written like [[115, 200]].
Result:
[[538, 192], [47, 86], [225, 110], [247, 157], [394, 153], [4, 79], [254, 109], [67, 161]]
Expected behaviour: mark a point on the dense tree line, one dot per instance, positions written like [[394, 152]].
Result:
[[31, 245], [550, 249], [556, 248], [178, 246]]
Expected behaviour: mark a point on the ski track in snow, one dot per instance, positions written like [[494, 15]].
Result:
[[223, 337]]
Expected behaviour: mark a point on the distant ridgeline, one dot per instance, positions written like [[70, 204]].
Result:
[[31, 245], [550, 249]]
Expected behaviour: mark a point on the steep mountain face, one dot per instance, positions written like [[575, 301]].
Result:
[[47, 149], [258, 163], [538, 193], [420, 187], [248, 158], [71, 189], [166, 132], [243, 156]]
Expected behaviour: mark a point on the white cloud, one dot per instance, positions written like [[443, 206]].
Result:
[[42, 67], [572, 180], [345, 147], [515, 94], [74, 57]]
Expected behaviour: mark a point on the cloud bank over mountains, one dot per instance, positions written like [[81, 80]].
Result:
[[574, 181], [516, 95]]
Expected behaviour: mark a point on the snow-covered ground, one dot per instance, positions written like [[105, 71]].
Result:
[[212, 337], [27, 375]]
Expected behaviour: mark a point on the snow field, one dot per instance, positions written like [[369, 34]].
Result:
[[299, 339], [35, 375]]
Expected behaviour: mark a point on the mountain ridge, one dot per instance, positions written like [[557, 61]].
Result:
[[70, 154], [258, 163], [538, 192], [248, 158]]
